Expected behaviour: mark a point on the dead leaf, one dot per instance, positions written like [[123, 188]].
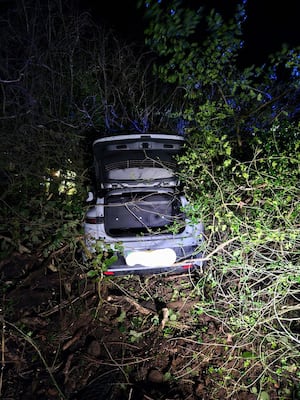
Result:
[[229, 338], [52, 267]]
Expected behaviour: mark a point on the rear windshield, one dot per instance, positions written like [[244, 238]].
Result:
[[135, 165], [141, 173], [142, 213]]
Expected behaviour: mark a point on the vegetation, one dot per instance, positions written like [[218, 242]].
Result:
[[64, 81], [241, 170]]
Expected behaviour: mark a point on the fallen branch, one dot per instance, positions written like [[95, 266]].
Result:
[[141, 309]]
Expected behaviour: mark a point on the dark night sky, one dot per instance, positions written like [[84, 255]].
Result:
[[269, 23]]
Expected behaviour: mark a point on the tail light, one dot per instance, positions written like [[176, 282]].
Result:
[[187, 266], [90, 220], [93, 220]]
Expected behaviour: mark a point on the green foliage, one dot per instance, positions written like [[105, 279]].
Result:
[[200, 53], [53, 94], [44, 226], [252, 284], [240, 170], [101, 258], [171, 32]]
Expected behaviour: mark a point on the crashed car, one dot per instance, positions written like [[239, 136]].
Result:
[[138, 209]]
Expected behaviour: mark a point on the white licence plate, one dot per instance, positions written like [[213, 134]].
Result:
[[151, 258]]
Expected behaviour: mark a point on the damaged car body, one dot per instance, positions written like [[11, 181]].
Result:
[[139, 206]]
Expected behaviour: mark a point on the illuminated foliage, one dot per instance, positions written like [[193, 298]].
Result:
[[221, 98]]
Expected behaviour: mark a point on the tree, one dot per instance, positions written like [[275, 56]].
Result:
[[222, 100], [64, 81]]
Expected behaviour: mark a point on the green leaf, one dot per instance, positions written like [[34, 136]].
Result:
[[248, 354], [173, 317], [263, 396], [92, 274], [122, 316]]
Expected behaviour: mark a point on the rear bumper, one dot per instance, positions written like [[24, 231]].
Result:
[[188, 262], [142, 270], [187, 248]]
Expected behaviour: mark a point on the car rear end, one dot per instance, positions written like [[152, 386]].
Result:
[[148, 231], [139, 212]]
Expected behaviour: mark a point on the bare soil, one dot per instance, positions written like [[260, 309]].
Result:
[[65, 336]]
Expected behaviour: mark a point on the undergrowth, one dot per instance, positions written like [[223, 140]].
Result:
[[252, 286]]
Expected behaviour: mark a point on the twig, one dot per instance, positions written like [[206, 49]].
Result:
[[12, 80], [209, 256], [115, 362], [141, 309], [22, 249], [64, 304], [30, 341]]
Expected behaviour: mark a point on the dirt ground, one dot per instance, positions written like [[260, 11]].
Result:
[[64, 336]]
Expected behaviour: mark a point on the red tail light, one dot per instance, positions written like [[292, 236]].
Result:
[[108, 273], [187, 266], [89, 220], [94, 220]]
